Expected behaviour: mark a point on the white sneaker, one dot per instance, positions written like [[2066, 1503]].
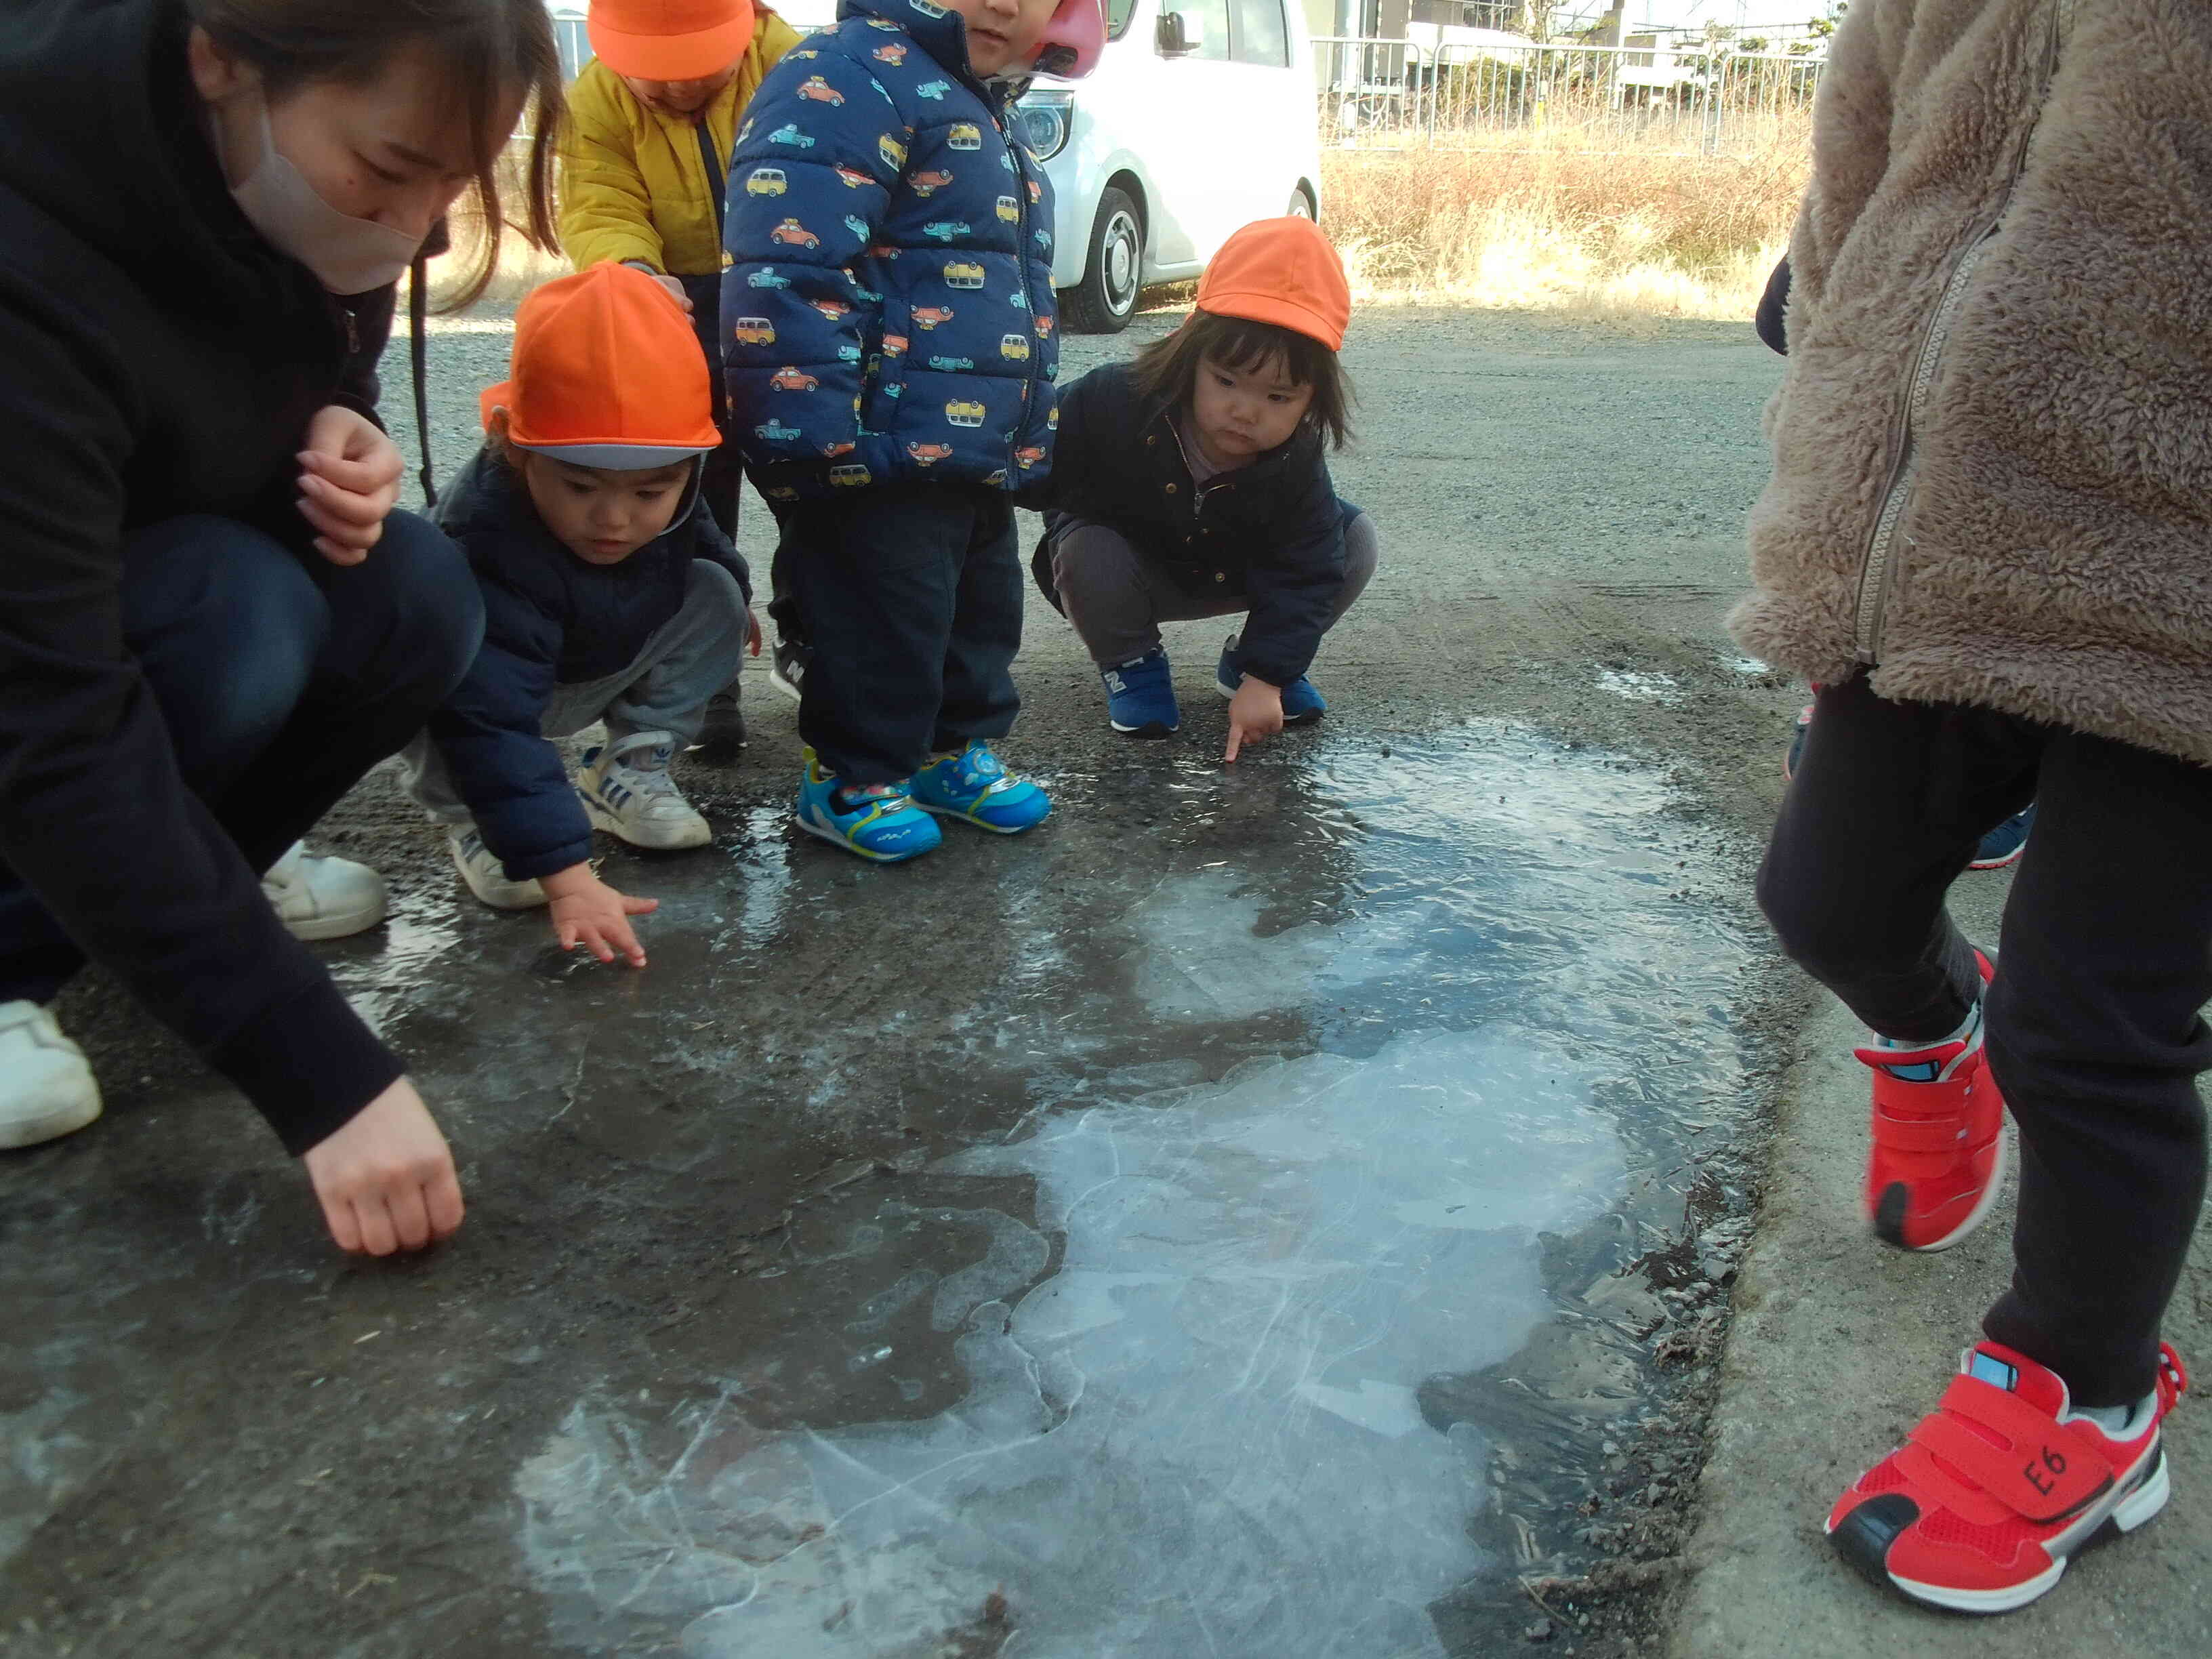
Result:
[[627, 792], [486, 876], [319, 896], [47, 1090]]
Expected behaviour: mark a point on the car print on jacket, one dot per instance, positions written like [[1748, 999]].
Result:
[[897, 301], [767, 276], [1044, 326], [1029, 456], [766, 181], [788, 133], [753, 330]]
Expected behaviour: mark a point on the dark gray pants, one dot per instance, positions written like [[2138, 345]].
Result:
[[1117, 598], [2092, 1024]]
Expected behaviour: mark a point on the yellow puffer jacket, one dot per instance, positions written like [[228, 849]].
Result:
[[633, 183]]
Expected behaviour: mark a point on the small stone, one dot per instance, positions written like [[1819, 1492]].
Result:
[[1542, 1631]]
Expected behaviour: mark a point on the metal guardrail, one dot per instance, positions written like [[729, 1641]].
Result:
[[1685, 96]]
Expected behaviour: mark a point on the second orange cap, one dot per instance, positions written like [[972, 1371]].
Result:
[[1282, 272], [606, 373]]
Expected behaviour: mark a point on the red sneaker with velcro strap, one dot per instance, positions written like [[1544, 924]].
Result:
[[1936, 1162], [2001, 1485]]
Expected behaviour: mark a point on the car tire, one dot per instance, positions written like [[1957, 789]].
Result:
[[1302, 205], [1113, 271]]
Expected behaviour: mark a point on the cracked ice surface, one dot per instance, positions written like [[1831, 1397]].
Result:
[[1200, 1436]]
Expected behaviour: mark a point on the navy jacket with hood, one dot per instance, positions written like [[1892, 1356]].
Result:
[[158, 358], [888, 311], [1272, 531], [550, 619]]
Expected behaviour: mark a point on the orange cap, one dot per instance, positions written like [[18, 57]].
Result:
[[606, 373], [1282, 272], [669, 40]]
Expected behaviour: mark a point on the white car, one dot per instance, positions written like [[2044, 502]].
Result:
[[1201, 117]]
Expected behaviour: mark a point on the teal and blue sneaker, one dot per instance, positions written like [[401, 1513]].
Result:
[[1302, 704], [972, 786], [878, 821]]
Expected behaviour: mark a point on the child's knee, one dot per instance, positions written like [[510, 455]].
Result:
[[713, 590], [1090, 559]]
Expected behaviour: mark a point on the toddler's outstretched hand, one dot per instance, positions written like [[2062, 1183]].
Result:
[[1255, 714], [588, 912]]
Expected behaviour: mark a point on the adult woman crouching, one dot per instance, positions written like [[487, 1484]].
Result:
[[212, 622]]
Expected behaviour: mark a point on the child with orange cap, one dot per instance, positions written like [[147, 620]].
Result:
[[610, 594], [1195, 482], [644, 161]]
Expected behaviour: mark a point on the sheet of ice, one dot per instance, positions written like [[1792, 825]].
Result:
[[1198, 1436]]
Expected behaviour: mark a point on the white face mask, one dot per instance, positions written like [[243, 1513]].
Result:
[[348, 255]]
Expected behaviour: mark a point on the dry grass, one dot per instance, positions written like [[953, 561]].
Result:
[[1623, 231]]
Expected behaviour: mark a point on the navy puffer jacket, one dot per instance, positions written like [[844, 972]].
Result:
[[888, 311], [550, 619]]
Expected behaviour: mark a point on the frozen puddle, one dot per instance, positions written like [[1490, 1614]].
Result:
[[1198, 1431]]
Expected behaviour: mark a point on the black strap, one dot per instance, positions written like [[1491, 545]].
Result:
[[418, 284], [718, 175]]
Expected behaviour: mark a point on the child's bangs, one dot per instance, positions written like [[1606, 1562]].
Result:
[[1240, 344]]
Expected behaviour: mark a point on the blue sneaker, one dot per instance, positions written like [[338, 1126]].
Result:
[[973, 785], [1140, 699], [2004, 844], [1302, 704], [879, 822]]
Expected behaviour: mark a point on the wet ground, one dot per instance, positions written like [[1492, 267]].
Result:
[[1246, 1217]]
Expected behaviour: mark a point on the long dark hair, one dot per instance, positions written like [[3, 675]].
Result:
[[1168, 369], [489, 49]]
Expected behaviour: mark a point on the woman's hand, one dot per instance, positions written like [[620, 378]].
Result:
[[1255, 714], [588, 912], [387, 1179], [348, 483]]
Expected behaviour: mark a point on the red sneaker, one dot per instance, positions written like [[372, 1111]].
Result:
[[1938, 1160], [1980, 1511]]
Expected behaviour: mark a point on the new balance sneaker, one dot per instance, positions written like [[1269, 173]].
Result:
[[878, 821], [2001, 1485], [2004, 844], [318, 896], [722, 734], [974, 786], [486, 876], [1140, 699], [787, 666], [1302, 704], [46, 1088], [1937, 1158], [627, 792]]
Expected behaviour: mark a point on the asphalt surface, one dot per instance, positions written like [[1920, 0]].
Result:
[[786, 1318]]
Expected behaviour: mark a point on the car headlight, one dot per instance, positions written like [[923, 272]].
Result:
[[1044, 118]]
